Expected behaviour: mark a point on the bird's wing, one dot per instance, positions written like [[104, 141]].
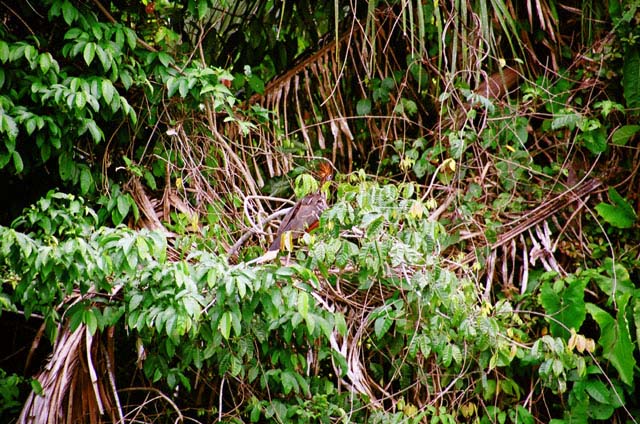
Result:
[[304, 214]]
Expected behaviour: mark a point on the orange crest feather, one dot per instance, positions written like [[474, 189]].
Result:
[[325, 171]]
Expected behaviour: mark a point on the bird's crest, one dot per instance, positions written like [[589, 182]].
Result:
[[325, 171]]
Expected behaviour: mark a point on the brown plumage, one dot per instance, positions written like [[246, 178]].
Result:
[[305, 214]]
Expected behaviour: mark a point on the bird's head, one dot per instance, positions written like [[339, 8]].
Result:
[[325, 172]]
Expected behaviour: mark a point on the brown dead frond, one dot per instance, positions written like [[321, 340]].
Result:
[[78, 383]]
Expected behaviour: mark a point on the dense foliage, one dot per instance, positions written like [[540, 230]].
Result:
[[478, 263]]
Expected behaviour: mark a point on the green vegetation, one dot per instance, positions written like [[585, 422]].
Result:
[[478, 263]]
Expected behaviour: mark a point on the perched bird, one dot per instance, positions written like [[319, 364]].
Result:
[[305, 214]]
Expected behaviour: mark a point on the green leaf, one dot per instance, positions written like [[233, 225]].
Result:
[[614, 280], [80, 100], [5, 158], [66, 166], [36, 387], [303, 304], [225, 325], [76, 316], [256, 83], [340, 323], [85, 179], [165, 58], [289, 382], [620, 214], [598, 391], [8, 125], [363, 107], [203, 9], [123, 205], [127, 79], [622, 135], [30, 125], [135, 301], [69, 12], [310, 322], [183, 88], [565, 307], [104, 57], [108, 90], [382, 325], [522, 416], [132, 38], [91, 321], [615, 339], [44, 61], [173, 84], [568, 119], [256, 412], [17, 162], [4, 51], [94, 130], [89, 53], [631, 77], [595, 140]]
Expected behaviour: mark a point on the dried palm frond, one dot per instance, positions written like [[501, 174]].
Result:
[[77, 383]]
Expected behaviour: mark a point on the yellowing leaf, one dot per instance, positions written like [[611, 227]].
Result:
[[417, 210]]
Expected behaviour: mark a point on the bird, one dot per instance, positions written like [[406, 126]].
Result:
[[304, 216]]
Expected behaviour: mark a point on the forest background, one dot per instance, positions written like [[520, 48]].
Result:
[[478, 263]]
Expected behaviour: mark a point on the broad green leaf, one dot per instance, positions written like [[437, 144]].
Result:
[[85, 179], [107, 90], [289, 382], [4, 51], [69, 12], [615, 278], [256, 83], [340, 323], [123, 205], [636, 317], [622, 135], [135, 301], [310, 322], [104, 57], [91, 321], [30, 125], [94, 130], [303, 304], [203, 9], [17, 162], [615, 339], [225, 325], [631, 77], [126, 79], [564, 308], [89, 53], [66, 166], [595, 140], [256, 413], [597, 390], [363, 107], [79, 100], [76, 316], [568, 119], [165, 58], [619, 213], [183, 87], [382, 325], [8, 126], [132, 39], [44, 61]]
